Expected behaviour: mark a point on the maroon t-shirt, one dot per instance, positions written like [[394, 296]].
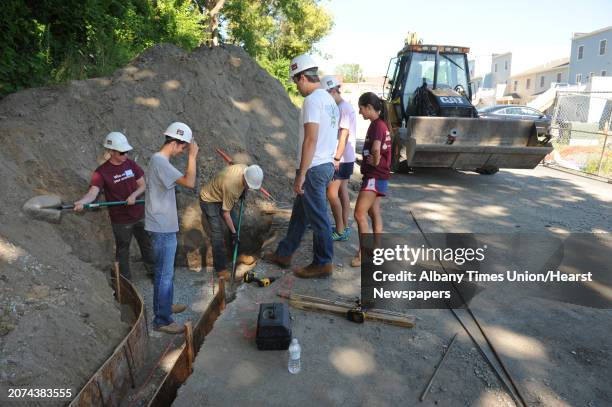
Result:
[[377, 131], [118, 182]]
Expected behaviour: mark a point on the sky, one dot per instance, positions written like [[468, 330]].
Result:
[[370, 33]]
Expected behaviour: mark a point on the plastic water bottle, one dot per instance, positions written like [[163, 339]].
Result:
[[294, 364]]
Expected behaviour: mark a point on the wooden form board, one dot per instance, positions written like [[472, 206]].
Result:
[[110, 383], [309, 303]]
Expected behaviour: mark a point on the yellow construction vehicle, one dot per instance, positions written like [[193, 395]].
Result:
[[434, 124]]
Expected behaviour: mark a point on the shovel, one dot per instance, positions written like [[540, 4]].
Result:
[[231, 295], [235, 256], [49, 207]]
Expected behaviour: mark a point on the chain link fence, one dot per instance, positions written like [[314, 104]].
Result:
[[581, 127]]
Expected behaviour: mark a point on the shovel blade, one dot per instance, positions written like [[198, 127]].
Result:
[[44, 207]]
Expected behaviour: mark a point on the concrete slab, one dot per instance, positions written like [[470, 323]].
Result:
[[558, 353]]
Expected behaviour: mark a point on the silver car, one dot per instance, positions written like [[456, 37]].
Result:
[[514, 112]]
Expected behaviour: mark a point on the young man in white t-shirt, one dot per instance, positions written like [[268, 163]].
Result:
[[315, 152], [344, 160]]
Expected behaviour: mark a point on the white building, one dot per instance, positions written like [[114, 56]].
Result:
[[590, 55], [501, 66], [525, 86]]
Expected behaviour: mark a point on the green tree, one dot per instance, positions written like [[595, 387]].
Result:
[[49, 41], [350, 72], [275, 31], [19, 32]]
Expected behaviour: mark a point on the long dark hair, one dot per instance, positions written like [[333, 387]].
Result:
[[378, 104]]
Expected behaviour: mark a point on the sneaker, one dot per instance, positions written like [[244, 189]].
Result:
[[336, 237], [347, 232], [173, 328], [178, 308]]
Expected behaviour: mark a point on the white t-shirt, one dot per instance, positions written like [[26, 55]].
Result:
[[319, 107], [348, 121]]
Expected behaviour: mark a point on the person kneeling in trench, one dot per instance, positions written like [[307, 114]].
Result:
[[217, 200]]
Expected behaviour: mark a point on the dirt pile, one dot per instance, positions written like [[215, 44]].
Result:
[[58, 320]]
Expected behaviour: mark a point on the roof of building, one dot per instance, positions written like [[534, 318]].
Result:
[[549, 66], [510, 96], [582, 35], [501, 55]]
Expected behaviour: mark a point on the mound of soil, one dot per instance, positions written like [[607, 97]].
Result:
[[58, 319]]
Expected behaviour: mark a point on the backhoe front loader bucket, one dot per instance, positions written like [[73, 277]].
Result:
[[482, 145]]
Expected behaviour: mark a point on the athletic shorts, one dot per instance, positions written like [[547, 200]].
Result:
[[375, 185], [345, 171]]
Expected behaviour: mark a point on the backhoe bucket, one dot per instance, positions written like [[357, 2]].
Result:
[[469, 144]]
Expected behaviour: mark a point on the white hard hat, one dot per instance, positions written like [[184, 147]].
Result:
[[117, 141], [301, 63], [329, 82], [253, 174], [179, 131]]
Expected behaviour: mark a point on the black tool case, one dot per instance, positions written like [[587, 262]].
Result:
[[273, 327]]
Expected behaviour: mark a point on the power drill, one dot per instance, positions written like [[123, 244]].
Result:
[[250, 277]]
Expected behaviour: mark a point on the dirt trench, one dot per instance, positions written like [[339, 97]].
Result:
[[58, 319]]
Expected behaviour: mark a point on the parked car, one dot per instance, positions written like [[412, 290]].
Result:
[[514, 112]]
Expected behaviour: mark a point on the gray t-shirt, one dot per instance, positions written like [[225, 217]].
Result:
[[160, 200]]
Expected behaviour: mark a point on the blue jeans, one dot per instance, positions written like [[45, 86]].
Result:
[[311, 208], [164, 249]]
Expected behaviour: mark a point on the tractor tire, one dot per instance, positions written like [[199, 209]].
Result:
[[395, 155], [487, 170], [401, 155]]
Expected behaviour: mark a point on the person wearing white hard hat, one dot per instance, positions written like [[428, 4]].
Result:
[[161, 219], [318, 136], [344, 160], [217, 200], [121, 179]]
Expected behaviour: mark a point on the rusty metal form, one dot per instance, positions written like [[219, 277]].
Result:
[[110, 383], [166, 393]]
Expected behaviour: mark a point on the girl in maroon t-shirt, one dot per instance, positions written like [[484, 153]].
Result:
[[375, 166]]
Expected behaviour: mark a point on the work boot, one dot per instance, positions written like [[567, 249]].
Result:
[[281, 261], [315, 271], [246, 259], [173, 328], [224, 275], [178, 308]]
